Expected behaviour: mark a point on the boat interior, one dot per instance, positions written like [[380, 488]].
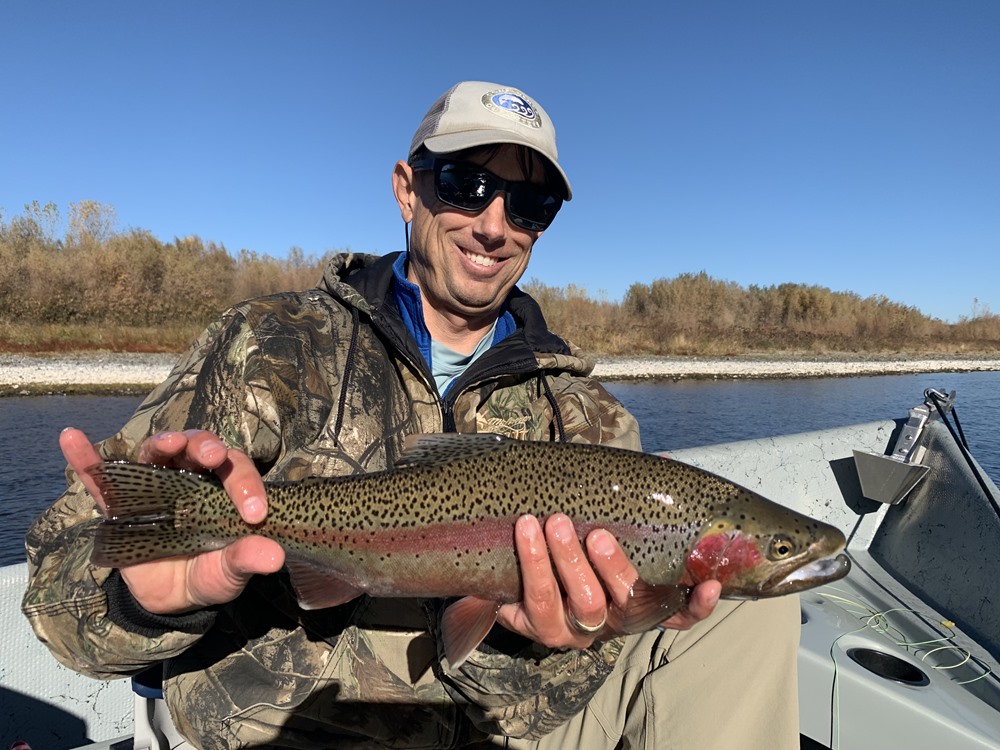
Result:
[[902, 653]]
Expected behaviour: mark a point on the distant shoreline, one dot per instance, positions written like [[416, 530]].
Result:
[[779, 366], [136, 374]]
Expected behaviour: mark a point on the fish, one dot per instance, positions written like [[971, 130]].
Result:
[[440, 525]]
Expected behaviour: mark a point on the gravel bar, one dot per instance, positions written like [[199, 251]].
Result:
[[25, 375], [783, 366]]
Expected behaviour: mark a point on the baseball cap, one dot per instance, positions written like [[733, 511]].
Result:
[[478, 113]]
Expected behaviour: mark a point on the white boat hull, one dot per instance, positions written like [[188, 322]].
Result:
[[922, 605]]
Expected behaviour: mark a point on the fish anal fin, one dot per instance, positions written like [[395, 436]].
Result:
[[464, 625], [652, 604], [316, 587]]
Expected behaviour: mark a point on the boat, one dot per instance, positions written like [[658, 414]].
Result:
[[902, 653]]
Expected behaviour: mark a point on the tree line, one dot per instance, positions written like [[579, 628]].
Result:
[[93, 286]]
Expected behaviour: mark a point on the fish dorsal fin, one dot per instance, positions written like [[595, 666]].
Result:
[[652, 604], [464, 625], [436, 448], [316, 587]]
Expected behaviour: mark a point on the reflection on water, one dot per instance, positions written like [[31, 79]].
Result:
[[671, 415]]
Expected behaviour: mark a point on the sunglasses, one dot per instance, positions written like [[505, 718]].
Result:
[[471, 188]]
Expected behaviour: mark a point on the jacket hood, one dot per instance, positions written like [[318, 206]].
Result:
[[364, 281], [361, 280]]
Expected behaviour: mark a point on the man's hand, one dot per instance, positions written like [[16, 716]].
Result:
[[571, 588], [183, 584]]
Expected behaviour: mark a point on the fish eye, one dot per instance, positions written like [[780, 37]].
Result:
[[781, 548]]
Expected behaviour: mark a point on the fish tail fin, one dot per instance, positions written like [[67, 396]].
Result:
[[151, 512]]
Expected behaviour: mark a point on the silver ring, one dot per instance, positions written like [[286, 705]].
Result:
[[588, 629]]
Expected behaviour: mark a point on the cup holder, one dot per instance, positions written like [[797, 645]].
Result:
[[889, 667]]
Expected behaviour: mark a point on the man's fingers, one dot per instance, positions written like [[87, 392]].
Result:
[[252, 556], [196, 450], [184, 584], [615, 570], [244, 485], [199, 450], [562, 598], [541, 589], [205, 449], [586, 604], [163, 448], [704, 597], [237, 471], [81, 455], [619, 576], [181, 584]]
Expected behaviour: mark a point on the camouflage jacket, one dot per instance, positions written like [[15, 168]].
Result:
[[318, 383]]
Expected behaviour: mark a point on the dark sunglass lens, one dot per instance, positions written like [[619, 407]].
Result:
[[471, 188], [533, 209], [463, 187]]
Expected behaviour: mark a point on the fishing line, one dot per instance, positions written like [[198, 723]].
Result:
[[988, 671], [878, 621], [835, 696]]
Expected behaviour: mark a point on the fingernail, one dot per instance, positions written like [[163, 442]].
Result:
[[602, 543], [527, 527], [254, 509], [562, 529], [212, 453]]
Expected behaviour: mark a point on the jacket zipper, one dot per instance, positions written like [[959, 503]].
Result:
[[468, 379]]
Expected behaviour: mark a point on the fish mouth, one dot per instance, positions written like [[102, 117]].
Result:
[[815, 573]]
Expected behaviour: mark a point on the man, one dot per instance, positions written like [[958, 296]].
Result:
[[328, 382]]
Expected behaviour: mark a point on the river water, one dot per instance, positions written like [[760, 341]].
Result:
[[672, 415]]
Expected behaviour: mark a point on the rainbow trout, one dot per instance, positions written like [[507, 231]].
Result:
[[440, 524]]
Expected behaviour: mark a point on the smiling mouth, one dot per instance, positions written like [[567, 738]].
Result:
[[480, 260]]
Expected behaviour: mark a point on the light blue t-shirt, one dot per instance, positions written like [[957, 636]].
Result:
[[445, 364]]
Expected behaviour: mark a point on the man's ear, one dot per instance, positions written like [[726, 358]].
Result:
[[403, 189]]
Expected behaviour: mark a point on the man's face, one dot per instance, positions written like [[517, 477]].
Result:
[[466, 263]]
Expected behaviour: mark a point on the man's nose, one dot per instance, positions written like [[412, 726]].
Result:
[[491, 222]]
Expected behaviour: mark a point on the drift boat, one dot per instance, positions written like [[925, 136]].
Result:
[[903, 653]]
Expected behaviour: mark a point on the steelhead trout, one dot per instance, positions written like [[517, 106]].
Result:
[[440, 524]]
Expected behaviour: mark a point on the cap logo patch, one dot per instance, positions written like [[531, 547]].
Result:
[[513, 106]]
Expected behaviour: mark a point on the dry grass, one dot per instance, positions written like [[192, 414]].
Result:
[[128, 291], [694, 314], [74, 337]]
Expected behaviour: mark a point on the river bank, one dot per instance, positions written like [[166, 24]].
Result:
[[112, 373]]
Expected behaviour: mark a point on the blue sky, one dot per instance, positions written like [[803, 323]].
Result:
[[851, 144]]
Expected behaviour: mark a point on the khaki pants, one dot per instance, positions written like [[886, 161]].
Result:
[[729, 683]]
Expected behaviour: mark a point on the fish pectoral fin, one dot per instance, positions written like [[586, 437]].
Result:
[[652, 604], [316, 587], [464, 625]]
